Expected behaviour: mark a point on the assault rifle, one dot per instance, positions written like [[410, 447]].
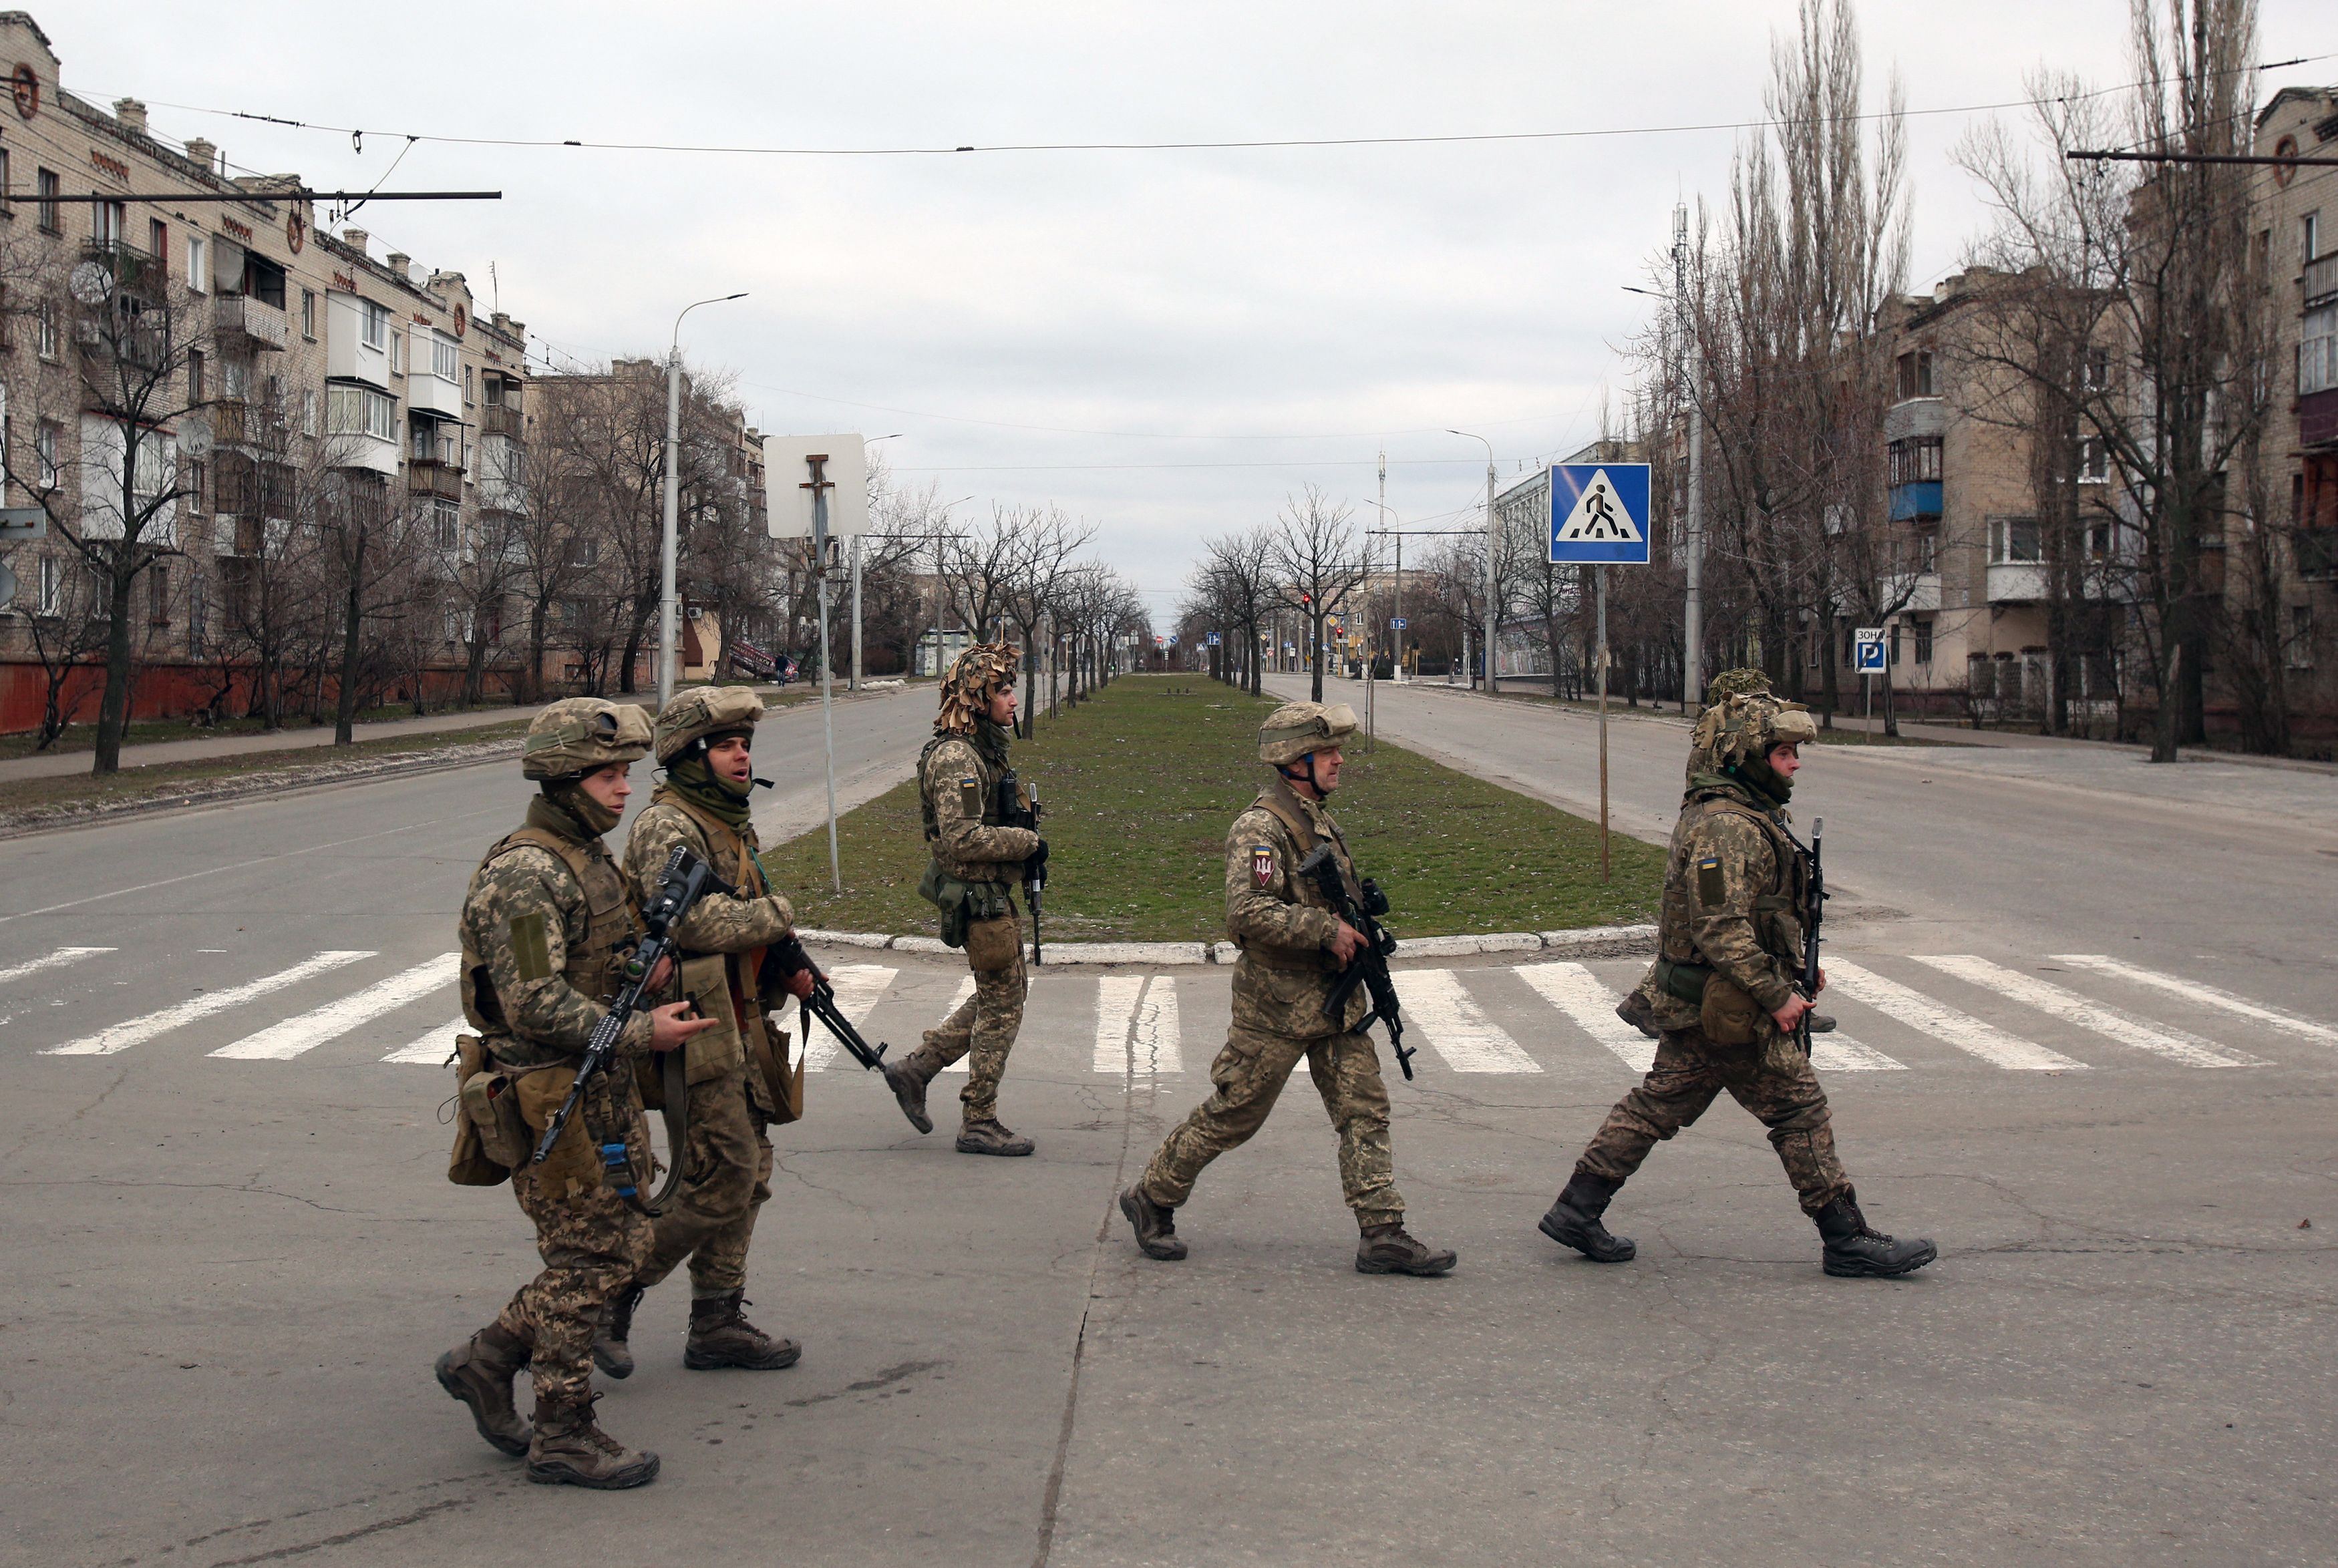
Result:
[[1013, 813], [1369, 968], [787, 958], [1814, 898], [685, 879]]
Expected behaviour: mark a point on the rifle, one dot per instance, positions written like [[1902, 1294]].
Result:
[[685, 879], [787, 958], [1814, 898], [1013, 813], [1369, 968]]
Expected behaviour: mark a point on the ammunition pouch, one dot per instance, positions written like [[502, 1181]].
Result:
[[963, 903], [1727, 1015], [993, 944], [470, 1164], [711, 1053], [784, 1083], [574, 1163]]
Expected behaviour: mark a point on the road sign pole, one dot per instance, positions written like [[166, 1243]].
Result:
[[1600, 572]]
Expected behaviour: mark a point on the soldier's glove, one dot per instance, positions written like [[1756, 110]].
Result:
[[1034, 868]]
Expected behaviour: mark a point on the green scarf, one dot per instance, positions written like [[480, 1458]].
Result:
[[718, 797], [1771, 789], [991, 738], [565, 809]]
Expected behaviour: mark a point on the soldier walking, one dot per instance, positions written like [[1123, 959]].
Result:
[[977, 858], [738, 1082], [1293, 949], [1721, 996], [543, 927]]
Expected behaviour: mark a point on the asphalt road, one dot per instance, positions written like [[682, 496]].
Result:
[[229, 1273]]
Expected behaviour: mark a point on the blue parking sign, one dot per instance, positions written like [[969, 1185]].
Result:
[[1600, 513]]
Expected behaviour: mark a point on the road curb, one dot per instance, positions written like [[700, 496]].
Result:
[[1589, 942]]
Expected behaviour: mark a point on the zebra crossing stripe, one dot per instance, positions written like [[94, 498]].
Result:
[[138, 1031], [432, 1050], [1574, 991], [1154, 1045], [2193, 991], [56, 960], [1839, 1052], [1944, 1022], [1116, 999], [281, 1042], [2117, 1023], [1457, 1028], [958, 1000], [858, 988]]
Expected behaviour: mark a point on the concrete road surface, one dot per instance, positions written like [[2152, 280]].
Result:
[[2094, 1060]]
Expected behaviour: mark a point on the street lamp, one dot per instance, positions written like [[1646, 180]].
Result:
[[1692, 541], [669, 607], [1492, 611]]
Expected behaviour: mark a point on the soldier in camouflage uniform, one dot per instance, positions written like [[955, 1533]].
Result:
[[542, 931], [977, 860], [1293, 949], [1722, 996], [736, 1073]]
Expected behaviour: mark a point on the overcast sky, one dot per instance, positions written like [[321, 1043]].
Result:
[[1164, 343]]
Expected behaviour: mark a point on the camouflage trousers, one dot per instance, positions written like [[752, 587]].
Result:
[[1690, 1071], [591, 1243], [726, 1177], [982, 1027], [1248, 1075]]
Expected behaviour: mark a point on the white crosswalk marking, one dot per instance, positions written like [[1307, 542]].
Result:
[[858, 987], [1574, 991], [138, 1031], [1839, 1052], [56, 960], [2194, 991], [1154, 1044], [281, 1042], [431, 1050], [1457, 1027], [958, 999], [2117, 1023], [1116, 999], [1944, 1022]]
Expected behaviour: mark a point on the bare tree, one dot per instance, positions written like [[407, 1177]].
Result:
[[1316, 561]]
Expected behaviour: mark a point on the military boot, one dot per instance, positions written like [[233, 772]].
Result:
[[988, 1135], [1156, 1225], [1820, 1024], [721, 1335], [571, 1450], [479, 1373], [1574, 1219], [907, 1078], [1855, 1251], [610, 1352], [1634, 1009], [1390, 1249]]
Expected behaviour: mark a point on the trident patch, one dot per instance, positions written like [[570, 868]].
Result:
[[1261, 865]]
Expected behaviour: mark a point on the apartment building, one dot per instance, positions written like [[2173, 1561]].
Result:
[[286, 371]]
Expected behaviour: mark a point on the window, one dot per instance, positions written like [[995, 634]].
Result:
[[443, 359], [2013, 542], [308, 413], [194, 474], [1927, 550], [2098, 369], [45, 443], [2308, 237], [423, 444], [45, 329], [199, 264], [158, 241], [109, 222], [361, 411], [1915, 374], [6, 189], [493, 386], [308, 314], [2094, 460], [52, 584], [1893, 656], [1916, 461], [235, 380], [158, 595], [195, 380], [45, 183], [2102, 540], [398, 352], [2300, 637], [1924, 641], [2317, 351], [374, 328], [446, 524], [467, 385]]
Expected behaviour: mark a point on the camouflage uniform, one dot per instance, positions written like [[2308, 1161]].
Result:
[[1281, 986], [958, 776]]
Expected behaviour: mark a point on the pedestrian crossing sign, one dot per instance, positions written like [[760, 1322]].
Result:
[[1600, 513]]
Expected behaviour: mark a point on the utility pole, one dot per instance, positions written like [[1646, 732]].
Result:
[[820, 485], [855, 683], [1493, 610], [669, 605], [1692, 611]]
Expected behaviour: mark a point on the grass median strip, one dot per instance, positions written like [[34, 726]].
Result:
[[1139, 784]]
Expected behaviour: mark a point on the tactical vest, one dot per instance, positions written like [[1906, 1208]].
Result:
[[611, 923], [1284, 808], [1776, 914], [988, 773]]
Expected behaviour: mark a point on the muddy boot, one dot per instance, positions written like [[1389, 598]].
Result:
[[1574, 1221], [571, 1450], [479, 1373], [907, 1078], [721, 1335], [1634, 1009], [1855, 1251], [1156, 1225], [990, 1136], [1389, 1249], [610, 1352]]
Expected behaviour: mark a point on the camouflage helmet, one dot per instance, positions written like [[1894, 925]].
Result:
[[706, 711], [973, 676], [1296, 729], [1742, 681], [578, 734], [1747, 725]]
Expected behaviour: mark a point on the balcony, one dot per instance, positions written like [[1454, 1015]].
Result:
[[239, 320], [2317, 555], [428, 393], [2016, 582], [2321, 279], [1921, 499], [125, 340], [131, 270], [440, 481], [1922, 590], [500, 419]]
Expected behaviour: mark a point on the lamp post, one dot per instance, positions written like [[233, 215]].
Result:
[[1396, 666], [1493, 610], [1693, 540], [670, 607]]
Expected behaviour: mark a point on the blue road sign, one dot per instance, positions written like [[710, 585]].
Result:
[[1213, 638], [1600, 513], [1867, 651], [1396, 622]]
